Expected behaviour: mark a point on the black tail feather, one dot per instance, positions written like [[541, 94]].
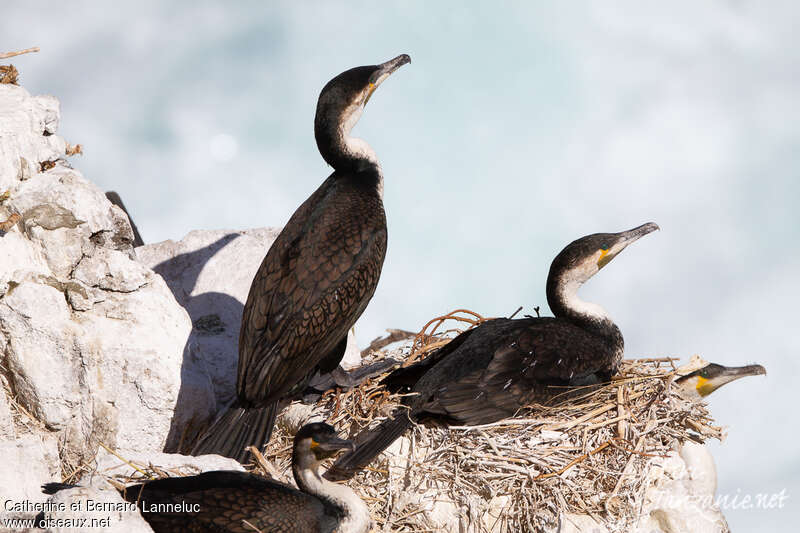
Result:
[[405, 378], [369, 444], [237, 428], [52, 488]]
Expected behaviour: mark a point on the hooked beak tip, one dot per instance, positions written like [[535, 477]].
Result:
[[753, 370], [394, 64], [650, 227], [639, 232]]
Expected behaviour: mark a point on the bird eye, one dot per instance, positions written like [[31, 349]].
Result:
[[604, 247]]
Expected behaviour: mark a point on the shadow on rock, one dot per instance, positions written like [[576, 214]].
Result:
[[208, 371]]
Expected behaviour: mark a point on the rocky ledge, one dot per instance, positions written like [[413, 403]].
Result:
[[109, 352]]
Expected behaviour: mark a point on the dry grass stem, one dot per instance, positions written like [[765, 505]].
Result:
[[74, 150], [584, 452], [426, 341], [129, 463], [6, 55], [9, 223], [9, 74]]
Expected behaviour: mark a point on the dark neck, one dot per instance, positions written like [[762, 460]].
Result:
[[338, 148], [564, 302]]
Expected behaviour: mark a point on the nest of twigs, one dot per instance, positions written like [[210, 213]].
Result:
[[585, 452]]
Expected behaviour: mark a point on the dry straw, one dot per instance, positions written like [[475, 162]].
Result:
[[586, 452], [9, 74]]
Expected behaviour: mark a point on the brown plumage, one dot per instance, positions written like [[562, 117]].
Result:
[[315, 281], [240, 502], [318, 276], [230, 502]]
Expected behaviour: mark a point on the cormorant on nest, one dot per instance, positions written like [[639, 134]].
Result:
[[488, 373]]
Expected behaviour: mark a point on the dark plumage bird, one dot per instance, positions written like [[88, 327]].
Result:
[[317, 277], [704, 381], [488, 373], [238, 502]]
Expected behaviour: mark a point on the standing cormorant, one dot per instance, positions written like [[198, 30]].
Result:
[[704, 381], [488, 373], [239, 502], [317, 277]]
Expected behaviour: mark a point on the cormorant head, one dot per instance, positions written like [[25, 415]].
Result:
[[583, 258], [339, 107], [706, 380], [319, 441]]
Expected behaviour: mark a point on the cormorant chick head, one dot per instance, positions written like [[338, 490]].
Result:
[[317, 442], [339, 107], [706, 380], [583, 258]]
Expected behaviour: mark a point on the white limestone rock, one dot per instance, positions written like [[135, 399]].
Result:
[[92, 509], [19, 258], [681, 494], [700, 467], [112, 374], [28, 462], [111, 465], [7, 429], [41, 353], [112, 270], [24, 121], [135, 347], [209, 273], [93, 342], [62, 198], [62, 248]]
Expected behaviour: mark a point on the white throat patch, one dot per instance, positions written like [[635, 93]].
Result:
[[355, 147], [569, 295]]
